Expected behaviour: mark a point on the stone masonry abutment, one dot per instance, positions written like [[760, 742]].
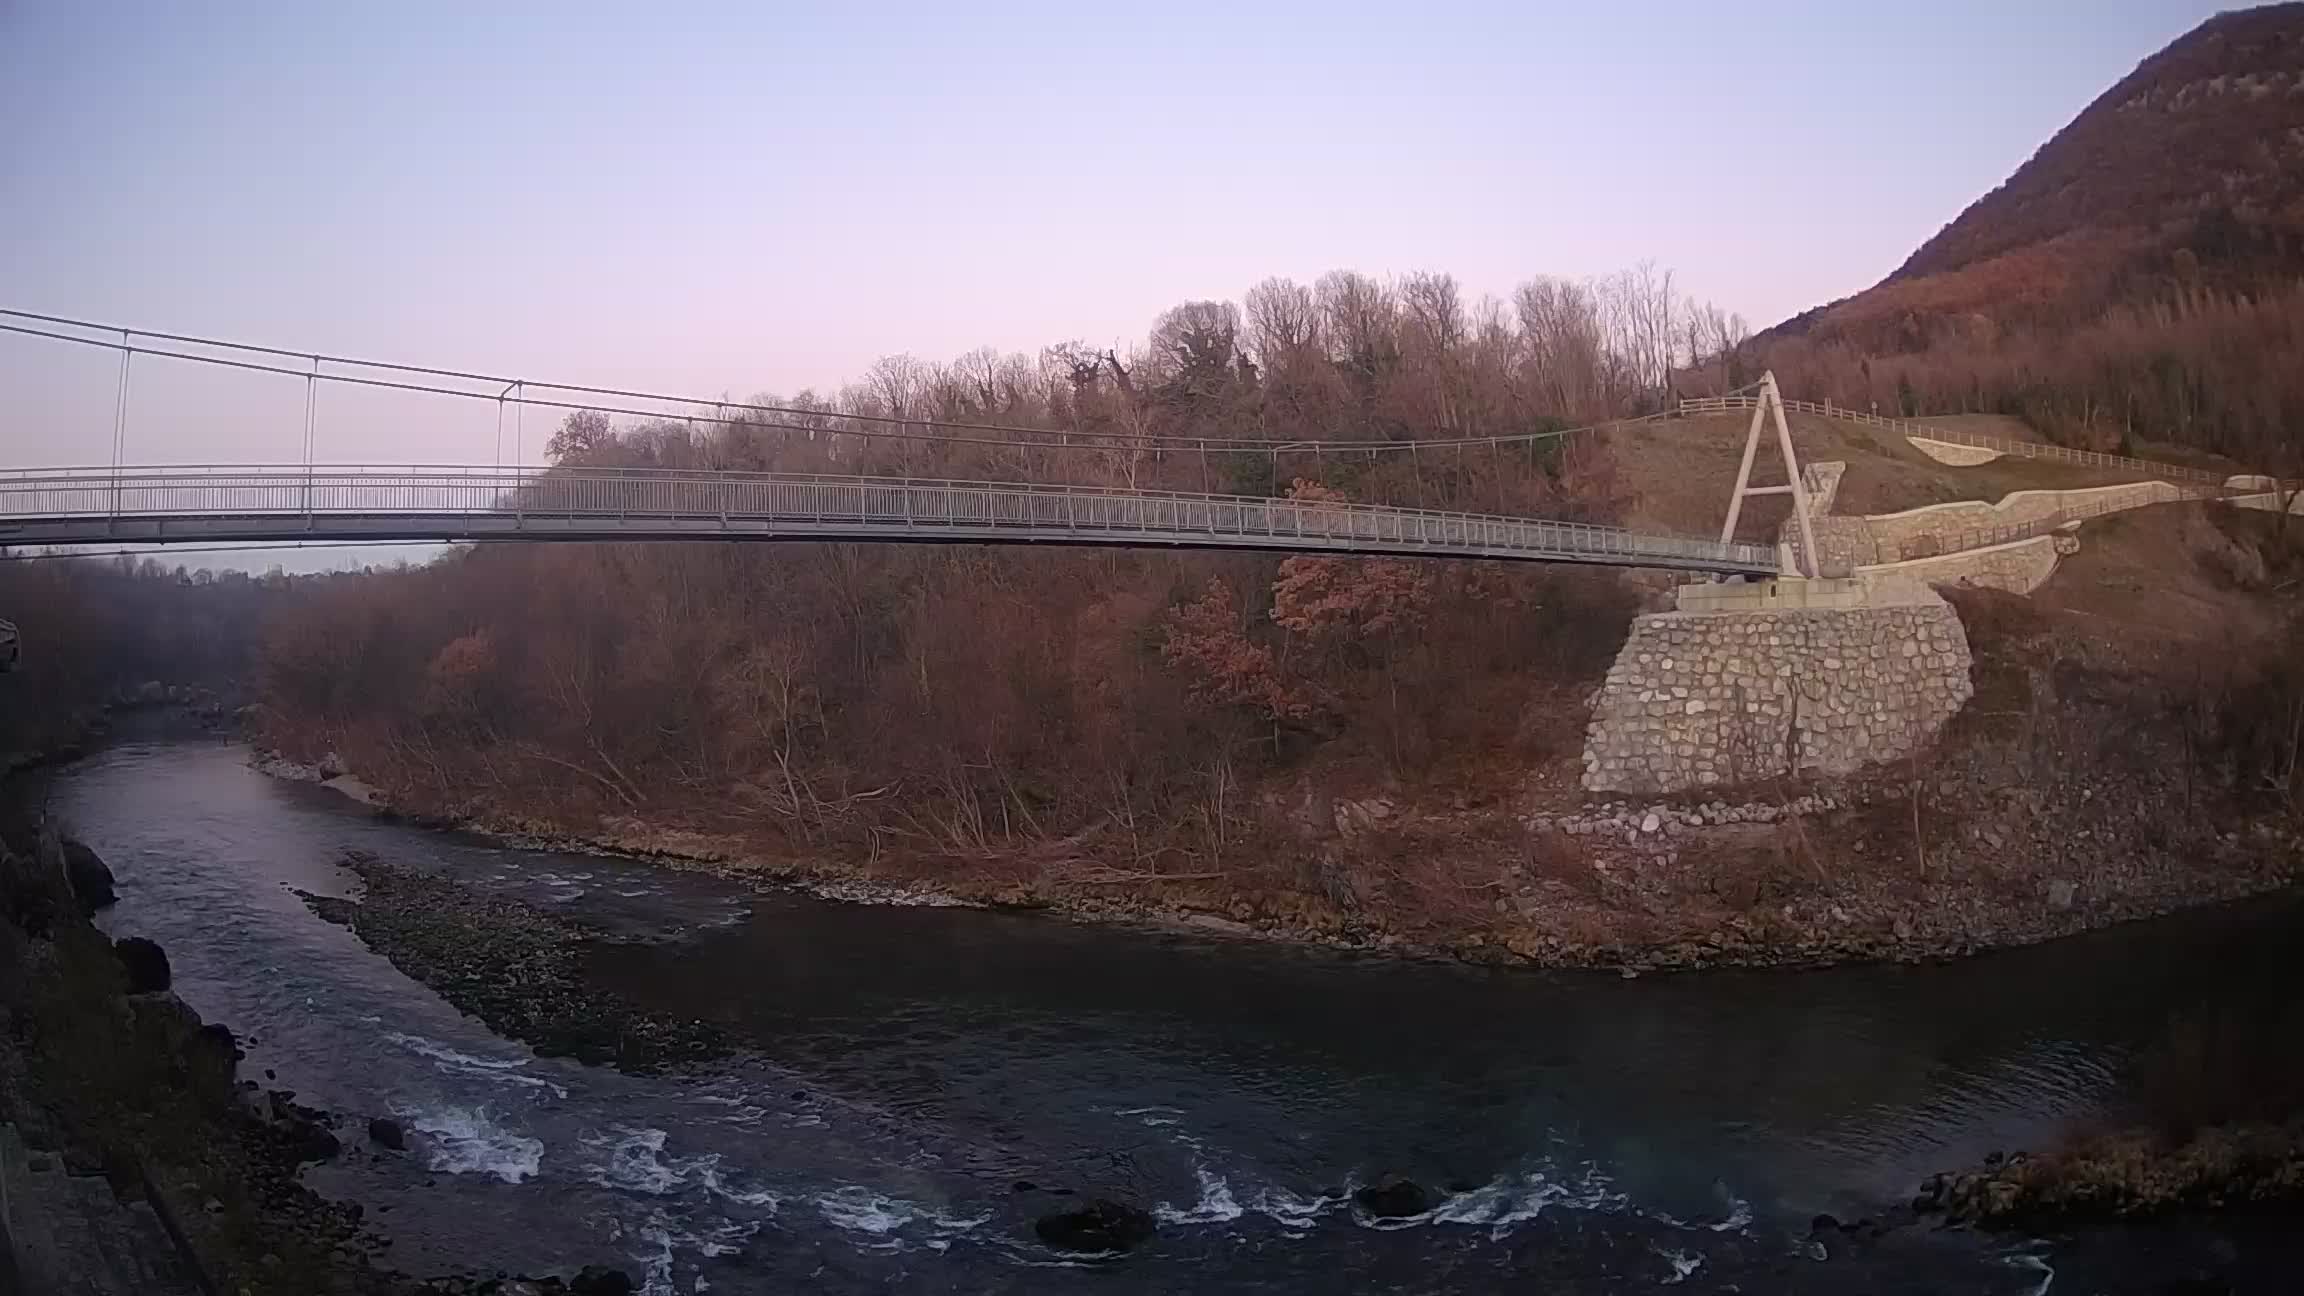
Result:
[[1747, 682]]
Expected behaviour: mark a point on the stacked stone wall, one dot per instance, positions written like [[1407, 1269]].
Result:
[[1703, 699], [1943, 528], [2019, 567]]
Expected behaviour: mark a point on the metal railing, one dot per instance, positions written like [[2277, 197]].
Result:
[[231, 502], [1956, 436]]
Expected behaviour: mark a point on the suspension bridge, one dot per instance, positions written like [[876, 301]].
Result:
[[122, 503]]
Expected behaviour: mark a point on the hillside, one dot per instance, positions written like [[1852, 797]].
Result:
[[2139, 282], [1675, 475], [2189, 172]]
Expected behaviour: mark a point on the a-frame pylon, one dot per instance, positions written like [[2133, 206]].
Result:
[[1771, 405]]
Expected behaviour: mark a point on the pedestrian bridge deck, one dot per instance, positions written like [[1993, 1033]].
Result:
[[148, 505]]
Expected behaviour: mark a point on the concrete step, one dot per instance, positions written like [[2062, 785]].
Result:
[[65, 1234]]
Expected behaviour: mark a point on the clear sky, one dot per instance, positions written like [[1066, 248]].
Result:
[[746, 197]]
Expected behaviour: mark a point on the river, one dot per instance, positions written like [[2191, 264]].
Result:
[[908, 1069]]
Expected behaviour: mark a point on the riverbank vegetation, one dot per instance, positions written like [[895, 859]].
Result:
[[2207, 1118]]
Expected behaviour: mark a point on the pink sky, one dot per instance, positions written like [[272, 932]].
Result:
[[753, 198]]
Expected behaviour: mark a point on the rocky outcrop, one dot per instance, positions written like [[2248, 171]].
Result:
[[90, 880], [145, 963]]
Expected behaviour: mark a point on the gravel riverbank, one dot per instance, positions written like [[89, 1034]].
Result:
[[513, 966]]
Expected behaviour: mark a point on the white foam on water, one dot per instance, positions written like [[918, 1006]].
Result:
[[671, 1237], [1293, 1212], [1509, 1200], [1737, 1220], [2037, 1265], [632, 1160], [1153, 1117], [1683, 1263], [460, 1140], [1215, 1206], [1739, 1217], [449, 1061], [740, 1196], [884, 1219]]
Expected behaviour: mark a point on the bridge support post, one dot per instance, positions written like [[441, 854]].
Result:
[[1770, 407]]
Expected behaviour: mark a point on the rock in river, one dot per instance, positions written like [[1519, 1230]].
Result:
[[147, 965], [1096, 1227], [91, 880], [600, 1280], [383, 1131], [1393, 1199]]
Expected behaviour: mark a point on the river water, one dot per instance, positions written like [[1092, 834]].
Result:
[[908, 1070]]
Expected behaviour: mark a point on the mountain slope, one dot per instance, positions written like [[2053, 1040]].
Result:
[[2189, 171]]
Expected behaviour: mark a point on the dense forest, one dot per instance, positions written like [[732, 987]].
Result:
[[959, 699], [101, 628]]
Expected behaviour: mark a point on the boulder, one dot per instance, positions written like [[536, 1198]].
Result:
[[383, 1131], [600, 1280], [314, 1142], [1393, 1199], [1097, 1227], [145, 962], [90, 880], [302, 1129]]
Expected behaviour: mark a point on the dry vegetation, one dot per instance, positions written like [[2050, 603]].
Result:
[[92, 628], [1060, 716]]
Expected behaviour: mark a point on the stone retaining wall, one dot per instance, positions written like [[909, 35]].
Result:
[[1883, 538], [2270, 503], [1942, 528], [1698, 699], [2018, 567], [1953, 453], [1822, 481]]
